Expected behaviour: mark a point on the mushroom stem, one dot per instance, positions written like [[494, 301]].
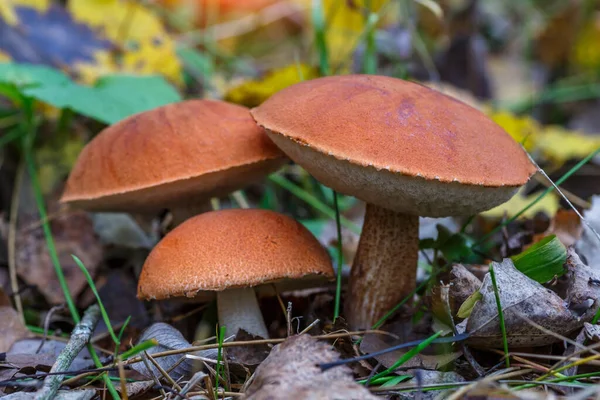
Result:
[[238, 309], [180, 214], [385, 266]]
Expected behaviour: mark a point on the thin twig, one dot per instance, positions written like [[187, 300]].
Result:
[[12, 239], [288, 317], [251, 343], [79, 338], [162, 371], [54, 309]]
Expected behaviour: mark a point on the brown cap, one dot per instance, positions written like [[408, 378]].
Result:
[[231, 248], [193, 149], [396, 144]]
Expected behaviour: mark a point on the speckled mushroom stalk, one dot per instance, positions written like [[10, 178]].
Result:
[[405, 150], [231, 252], [385, 265]]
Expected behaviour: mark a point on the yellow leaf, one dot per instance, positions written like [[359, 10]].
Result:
[[254, 92], [148, 48], [560, 145], [524, 130], [548, 205], [4, 57], [346, 21], [586, 51], [7, 9]]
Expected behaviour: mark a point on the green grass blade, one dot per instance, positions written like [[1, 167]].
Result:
[[90, 282], [318, 19], [220, 338], [543, 260], [312, 200], [500, 316], [338, 285], [397, 306], [370, 58], [39, 199], [139, 348], [29, 132], [405, 357], [563, 178]]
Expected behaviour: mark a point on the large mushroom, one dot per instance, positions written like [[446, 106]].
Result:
[[231, 251], [407, 151], [173, 157]]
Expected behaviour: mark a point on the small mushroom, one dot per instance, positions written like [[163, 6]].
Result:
[[404, 149], [173, 157], [231, 251]]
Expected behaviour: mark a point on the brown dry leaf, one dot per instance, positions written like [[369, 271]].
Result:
[[11, 328], [584, 287], [567, 227], [4, 299], [522, 298], [554, 42], [291, 371], [73, 234], [250, 356], [461, 284]]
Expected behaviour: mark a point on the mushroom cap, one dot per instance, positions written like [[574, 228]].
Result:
[[231, 248], [167, 156], [396, 144]]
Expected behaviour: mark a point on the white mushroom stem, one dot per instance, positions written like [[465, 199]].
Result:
[[238, 309], [385, 266]]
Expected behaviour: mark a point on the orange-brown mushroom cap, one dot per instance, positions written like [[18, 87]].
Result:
[[231, 248], [186, 151], [396, 144]]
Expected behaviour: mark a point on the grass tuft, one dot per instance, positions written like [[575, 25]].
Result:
[[500, 316]]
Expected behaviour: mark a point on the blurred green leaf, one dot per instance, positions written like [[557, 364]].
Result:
[[454, 246], [197, 63], [28, 75], [542, 261], [112, 99]]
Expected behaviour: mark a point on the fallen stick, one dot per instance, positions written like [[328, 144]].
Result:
[[80, 336]]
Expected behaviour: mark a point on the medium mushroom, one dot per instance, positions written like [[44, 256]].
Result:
[[404, 149], [176, 156], [231, 251]]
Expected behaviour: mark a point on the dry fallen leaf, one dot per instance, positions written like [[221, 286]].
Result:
[[462, 285], [169, 338], [73, 234], [521, 299], [567, 227], [291, 371], [11, 328], [588, 246]]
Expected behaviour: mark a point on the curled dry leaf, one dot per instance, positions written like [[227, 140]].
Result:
[[11, 328], [169, 338], [461, 285], [592, 332], [73, 234], [521, 299], [583, 288], [292, 371], [588, 246]]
